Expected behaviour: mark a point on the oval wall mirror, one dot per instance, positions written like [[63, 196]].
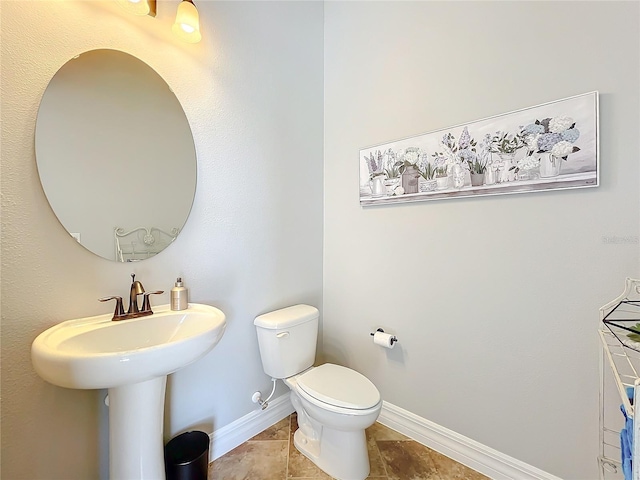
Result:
[[115, 155]]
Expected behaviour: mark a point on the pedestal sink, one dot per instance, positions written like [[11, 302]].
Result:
[[132, 359]]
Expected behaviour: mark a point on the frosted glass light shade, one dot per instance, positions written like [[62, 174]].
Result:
[[139, 7], [187, 24]]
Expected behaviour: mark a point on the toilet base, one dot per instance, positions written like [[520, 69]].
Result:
[[342, 455]]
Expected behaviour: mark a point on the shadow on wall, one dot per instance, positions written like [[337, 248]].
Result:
[[396, 355], [203, 426], [335, 352]]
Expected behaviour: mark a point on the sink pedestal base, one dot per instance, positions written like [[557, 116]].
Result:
[[136, 418]]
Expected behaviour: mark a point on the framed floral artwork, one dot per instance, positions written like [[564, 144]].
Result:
[[541, 148]]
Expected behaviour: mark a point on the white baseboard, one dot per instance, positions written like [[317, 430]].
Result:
[[227, 438], [481, 458]]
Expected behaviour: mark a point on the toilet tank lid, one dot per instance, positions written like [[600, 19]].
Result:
[[287, 317]]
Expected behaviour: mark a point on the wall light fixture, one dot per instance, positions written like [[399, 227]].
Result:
[[187, 24], [139, 7]]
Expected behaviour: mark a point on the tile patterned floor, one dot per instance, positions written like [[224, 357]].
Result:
[[271, 455]]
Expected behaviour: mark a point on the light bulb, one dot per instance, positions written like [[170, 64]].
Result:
[[187, 24], [139, 7]]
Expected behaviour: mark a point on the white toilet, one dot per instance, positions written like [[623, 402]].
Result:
[[334, 404]]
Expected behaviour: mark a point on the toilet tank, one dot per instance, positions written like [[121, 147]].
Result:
[[287, 340]]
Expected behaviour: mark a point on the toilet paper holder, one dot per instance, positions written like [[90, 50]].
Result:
[[394, 339]]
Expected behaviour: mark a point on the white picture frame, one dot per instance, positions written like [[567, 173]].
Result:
[[546, 147]]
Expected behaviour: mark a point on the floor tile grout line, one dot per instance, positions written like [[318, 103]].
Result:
[[384, 464], [286, 470]]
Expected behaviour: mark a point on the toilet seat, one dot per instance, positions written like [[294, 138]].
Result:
[[339, 387]]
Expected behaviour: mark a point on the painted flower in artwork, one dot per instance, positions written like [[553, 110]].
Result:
[[391, 170], [556, 135], [459, 152], [440, 164], [484, 150], [527, 163], [410, 156], [560, 124], [464, 142], [571, 135], [375, 163], [546, 141], [507, 142], [533, 129], [562, 149]]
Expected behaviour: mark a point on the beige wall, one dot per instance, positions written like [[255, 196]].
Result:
[[495, 299], [253, 241]]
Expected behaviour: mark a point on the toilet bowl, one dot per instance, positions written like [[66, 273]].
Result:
[[334, 404], [332, 418]]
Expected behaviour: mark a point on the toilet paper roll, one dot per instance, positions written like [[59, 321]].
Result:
[[384, 340]]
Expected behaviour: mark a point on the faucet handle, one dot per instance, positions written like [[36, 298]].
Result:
[[146, 304], [119, 311]]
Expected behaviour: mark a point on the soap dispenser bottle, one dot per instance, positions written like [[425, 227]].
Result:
[[179, 296]]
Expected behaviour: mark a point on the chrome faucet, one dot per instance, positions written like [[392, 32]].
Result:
[[133, 311]]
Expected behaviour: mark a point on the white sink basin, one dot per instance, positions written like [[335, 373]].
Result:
[[96, 352], [132, 359]]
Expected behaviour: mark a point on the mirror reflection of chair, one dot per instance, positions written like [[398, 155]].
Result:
[[142, 242]]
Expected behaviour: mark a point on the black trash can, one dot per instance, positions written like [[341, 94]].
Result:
[[186, 456]]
